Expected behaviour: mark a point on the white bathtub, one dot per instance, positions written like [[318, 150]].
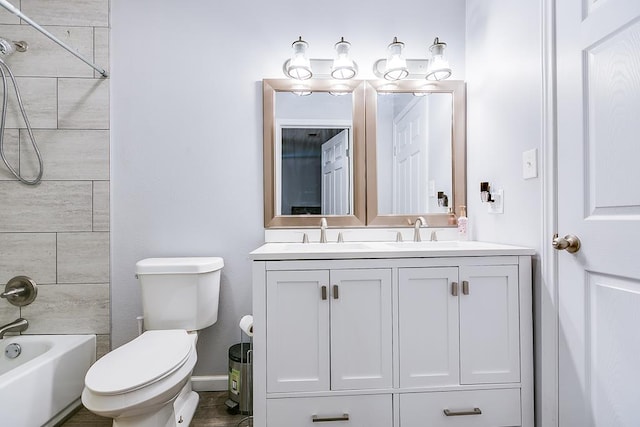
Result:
[[44, 383]]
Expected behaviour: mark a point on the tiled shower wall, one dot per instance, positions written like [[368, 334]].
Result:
[[57, 232]]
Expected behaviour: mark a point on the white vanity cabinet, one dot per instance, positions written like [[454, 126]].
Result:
[[388, 337], [477, 337], [328, 330]]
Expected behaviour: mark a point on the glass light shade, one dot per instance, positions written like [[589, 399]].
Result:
[[340, 89], [343, 66], [299, 66], [396, 67], [438, 68]]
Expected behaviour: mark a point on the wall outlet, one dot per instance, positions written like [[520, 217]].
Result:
[[530, 164], [497, 206]]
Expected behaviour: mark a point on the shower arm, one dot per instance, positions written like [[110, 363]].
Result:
[[11, 8]]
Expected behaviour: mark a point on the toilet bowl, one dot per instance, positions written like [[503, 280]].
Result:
[[147, 381], [137, 384]]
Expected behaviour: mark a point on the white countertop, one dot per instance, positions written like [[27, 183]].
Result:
[[355, 250]]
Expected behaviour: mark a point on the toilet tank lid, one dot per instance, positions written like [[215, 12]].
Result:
[[179, 265]]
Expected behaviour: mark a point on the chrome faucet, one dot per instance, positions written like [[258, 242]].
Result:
[[420, 221], [18, 325], [323, 230]]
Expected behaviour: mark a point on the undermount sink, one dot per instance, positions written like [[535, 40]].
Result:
[[328, 247], [425, 245]]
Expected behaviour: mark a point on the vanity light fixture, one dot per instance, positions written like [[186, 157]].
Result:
[[298, 66], [439, 68], [344, 67], [396, 67]]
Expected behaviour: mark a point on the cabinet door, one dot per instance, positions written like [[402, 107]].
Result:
[[297, 331], [361, 331], [489, 325], [428, 325]]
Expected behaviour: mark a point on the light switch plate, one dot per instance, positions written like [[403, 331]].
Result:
[[530, 164], [432, 188], [497, 207]]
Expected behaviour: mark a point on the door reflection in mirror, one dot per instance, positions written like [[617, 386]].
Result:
[[315, 171], [414, 146], [312, 146]]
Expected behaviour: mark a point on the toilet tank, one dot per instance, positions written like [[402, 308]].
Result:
[[179, 293]]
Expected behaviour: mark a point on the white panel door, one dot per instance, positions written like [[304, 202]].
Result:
[[335, 175], [298, 331], [489, 324], [410, 158], [428, 317], [361, 332], [598, 72]]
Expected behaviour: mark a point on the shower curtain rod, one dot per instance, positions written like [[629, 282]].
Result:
[[11, 8]]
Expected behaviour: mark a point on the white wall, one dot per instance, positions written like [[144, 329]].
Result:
[[186, 116], [504, 104], [504, 110]]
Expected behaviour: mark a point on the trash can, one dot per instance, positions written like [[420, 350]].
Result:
[[240, 378]]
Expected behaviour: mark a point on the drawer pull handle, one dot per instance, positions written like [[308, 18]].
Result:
[[317, 419], [474, 411], [324, 293], [454, 289], [335, 292], [465, 287]]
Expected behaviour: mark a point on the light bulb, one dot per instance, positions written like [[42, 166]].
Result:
[[343, 66], [438, 68], [299, 66], [396, 67]]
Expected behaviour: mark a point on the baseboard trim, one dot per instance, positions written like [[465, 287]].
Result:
[[210, 382]]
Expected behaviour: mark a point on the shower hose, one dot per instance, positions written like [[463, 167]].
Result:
[[4, 70]]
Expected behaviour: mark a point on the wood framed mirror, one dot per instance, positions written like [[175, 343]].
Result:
[[416, 151], [314, 153]]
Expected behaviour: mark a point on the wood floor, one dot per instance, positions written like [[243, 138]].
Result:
[[211, 412]]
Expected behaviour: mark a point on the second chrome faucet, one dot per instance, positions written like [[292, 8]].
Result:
[[420, 222], [323, 230]]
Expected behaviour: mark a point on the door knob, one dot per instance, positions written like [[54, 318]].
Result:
[[569, 242]]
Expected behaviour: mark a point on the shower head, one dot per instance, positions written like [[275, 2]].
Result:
[[7, 47]]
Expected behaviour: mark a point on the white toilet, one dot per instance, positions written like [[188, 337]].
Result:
[[147, 382]]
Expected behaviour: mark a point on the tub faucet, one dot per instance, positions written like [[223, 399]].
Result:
[[18, 325], [420, 221], [323, 230]]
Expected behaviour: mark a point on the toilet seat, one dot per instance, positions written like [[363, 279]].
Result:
[[146, 359]]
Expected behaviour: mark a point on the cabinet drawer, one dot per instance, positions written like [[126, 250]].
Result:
[[339, 411], [478, 408]]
